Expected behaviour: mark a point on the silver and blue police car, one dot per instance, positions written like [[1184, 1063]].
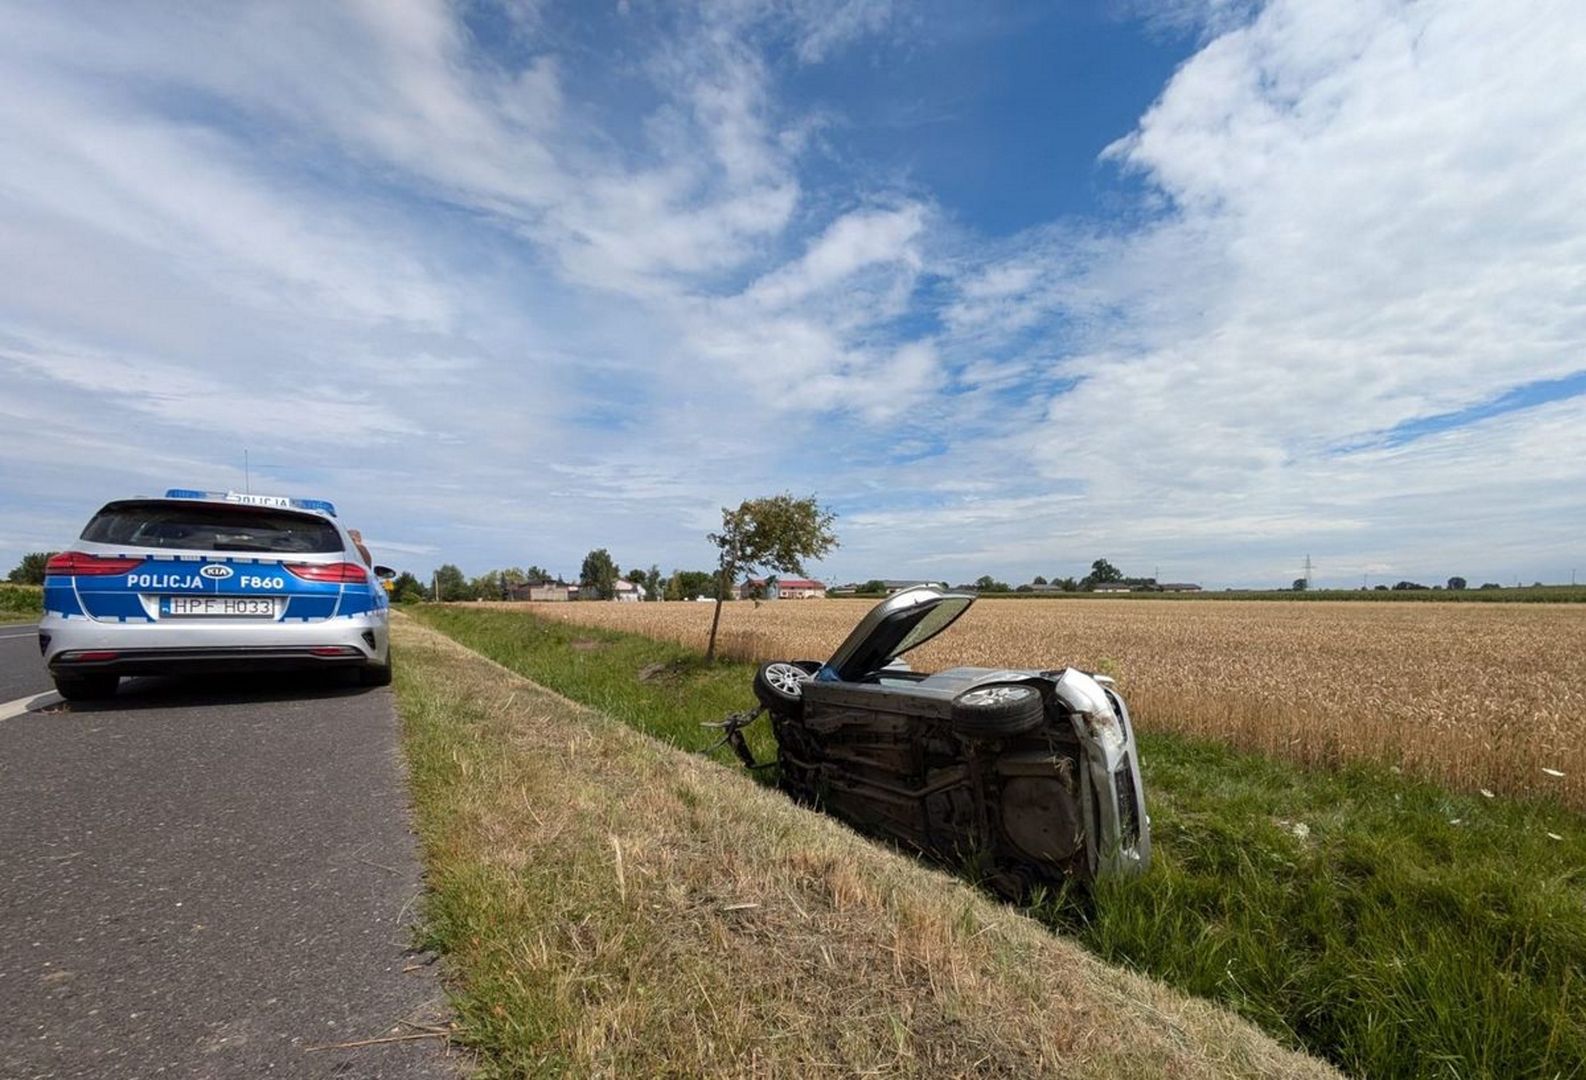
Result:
[[202, 581]]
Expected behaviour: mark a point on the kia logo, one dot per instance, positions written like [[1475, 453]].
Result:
[[215, 571]]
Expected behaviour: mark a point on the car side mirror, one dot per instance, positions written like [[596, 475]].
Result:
[[384, 573]]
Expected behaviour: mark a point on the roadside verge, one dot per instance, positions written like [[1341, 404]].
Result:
[[613, 905]]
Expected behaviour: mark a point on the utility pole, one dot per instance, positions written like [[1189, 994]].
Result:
[[435, 585]]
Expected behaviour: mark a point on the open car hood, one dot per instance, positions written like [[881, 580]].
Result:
[[906, 619]]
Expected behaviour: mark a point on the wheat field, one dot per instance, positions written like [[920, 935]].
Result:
[[1475, 696]]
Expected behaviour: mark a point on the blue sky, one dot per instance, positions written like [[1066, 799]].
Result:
[[1200, 287]]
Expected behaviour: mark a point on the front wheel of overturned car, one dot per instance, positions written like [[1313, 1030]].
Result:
[[996, 712], [87, 687], [779, 686]]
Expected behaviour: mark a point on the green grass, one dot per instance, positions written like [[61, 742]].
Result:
[[1409, 932], [600, 668]]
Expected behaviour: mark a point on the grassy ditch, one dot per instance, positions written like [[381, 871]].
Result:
[[1387, 925], [613, 906]]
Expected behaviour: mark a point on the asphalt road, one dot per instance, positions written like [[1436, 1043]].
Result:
[[208, 879], [21, 669]]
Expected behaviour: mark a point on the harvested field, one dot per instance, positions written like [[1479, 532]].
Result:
[[1471, 695]]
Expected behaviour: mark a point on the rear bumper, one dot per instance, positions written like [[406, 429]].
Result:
[[169, 648], [198, 661]]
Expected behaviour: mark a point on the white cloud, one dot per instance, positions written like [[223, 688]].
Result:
[[527, 318]]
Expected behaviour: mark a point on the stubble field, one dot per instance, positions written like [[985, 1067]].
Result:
[[1475, 696]]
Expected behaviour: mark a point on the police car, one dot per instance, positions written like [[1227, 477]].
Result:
[[212, 581]]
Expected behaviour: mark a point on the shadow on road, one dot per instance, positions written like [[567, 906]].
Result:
[[201, 691]]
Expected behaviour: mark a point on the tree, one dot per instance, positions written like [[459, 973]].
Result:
[[652, 583], [634, 577], [1038, 580], [1490, 585], [874, 585], [1406, 586], [1102, 571], [987, 583], [775, 533], [1300, 584], [687, 584], [406, 589], [1068, 584], [451, 585], [599, 572], [1456, 583], [30, 571], [490, 585]]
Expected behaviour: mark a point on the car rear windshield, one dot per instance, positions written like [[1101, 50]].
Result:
[[206, 527]]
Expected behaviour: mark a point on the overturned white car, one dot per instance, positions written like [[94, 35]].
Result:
[[1031, 777]]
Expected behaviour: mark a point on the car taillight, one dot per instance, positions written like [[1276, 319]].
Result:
[[349, 572], [78, 564]]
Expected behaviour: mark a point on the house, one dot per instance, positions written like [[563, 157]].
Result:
[[782, 589], [1179, 586], [625, 591], [1112, 587], [536, 590], [898, 584]]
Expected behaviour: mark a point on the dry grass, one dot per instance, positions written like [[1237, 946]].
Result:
[[1470, 695], [614, 906]]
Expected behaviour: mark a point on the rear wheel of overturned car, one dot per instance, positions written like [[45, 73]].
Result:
[[94, 686], [779, 686], [995, 712]]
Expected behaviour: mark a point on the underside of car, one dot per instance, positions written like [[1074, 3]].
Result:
[[1020, 778]]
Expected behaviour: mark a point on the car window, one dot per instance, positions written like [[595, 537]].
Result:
[[935, 621], [197, 526]]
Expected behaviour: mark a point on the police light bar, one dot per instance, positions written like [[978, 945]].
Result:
[[247, 498]]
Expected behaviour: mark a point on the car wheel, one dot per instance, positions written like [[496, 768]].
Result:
[[94, 687], [376, 674], [994, 712], [779, 686]]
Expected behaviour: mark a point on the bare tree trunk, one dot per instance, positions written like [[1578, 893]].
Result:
[[715, 619]]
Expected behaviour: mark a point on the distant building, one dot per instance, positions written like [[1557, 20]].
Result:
[[896, 584], [782, 589], [624, 591], [1179, 586], [1112, 587]]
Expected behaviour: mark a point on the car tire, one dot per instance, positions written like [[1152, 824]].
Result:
[[87, 687], [779, 686], [998, 711], [376, 674]]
